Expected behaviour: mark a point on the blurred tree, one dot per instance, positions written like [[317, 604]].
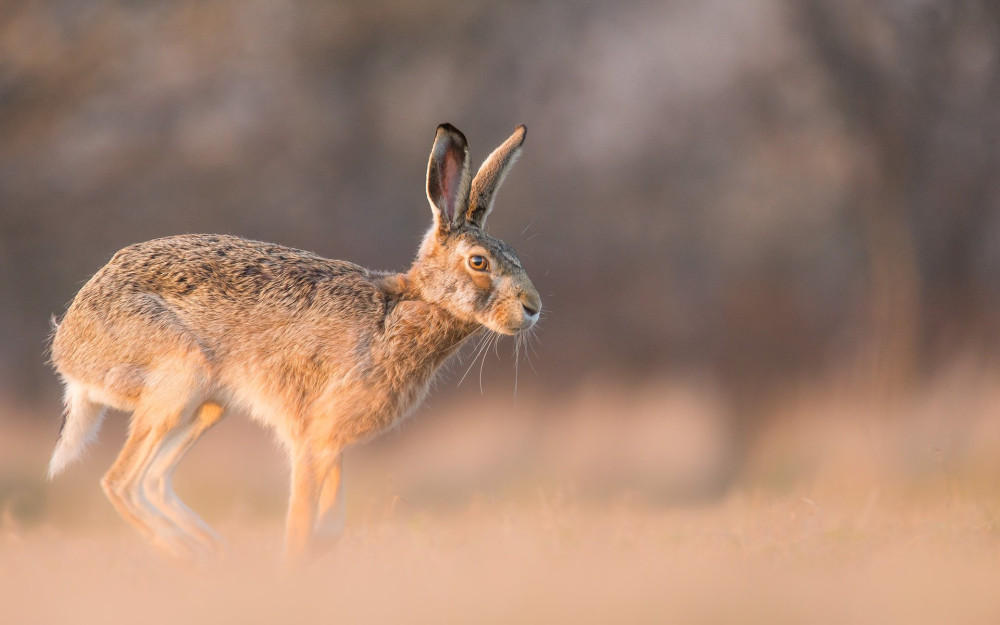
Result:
[[919, 83], [692, 195]]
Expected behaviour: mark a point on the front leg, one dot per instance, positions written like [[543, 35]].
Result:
[[309, 471], [331, 513]]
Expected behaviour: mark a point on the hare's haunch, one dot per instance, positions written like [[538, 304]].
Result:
[[181, 330]]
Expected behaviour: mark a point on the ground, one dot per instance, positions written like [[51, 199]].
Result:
[[463, 521]]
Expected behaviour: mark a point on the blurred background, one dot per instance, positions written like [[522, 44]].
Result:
[[742, 216]]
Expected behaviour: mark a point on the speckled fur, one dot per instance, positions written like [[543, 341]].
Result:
[[182, 329]]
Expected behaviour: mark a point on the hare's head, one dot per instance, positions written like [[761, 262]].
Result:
[[459, 267]]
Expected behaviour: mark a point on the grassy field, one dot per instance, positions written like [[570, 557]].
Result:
[[499, 515]]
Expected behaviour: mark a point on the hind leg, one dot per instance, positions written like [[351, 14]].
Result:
[[158, 482], [160, 411], [119, 485]]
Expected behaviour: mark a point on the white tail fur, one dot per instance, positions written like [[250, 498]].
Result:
[[81, 423]]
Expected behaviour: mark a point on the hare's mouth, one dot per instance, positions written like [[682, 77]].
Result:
[[529, 315], [504, 327], [527, 322], [508, 331]]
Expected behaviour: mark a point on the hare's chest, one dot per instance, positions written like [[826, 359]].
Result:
[[406, 390], [399, 368], [370, 407]]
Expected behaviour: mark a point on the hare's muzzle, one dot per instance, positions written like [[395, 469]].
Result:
[[531, 305]]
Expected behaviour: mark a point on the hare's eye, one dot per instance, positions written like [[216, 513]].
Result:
[[479, 263]]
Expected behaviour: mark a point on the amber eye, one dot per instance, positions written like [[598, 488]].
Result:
[[479, 263]]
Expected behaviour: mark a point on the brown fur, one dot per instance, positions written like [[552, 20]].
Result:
[[182, 329]]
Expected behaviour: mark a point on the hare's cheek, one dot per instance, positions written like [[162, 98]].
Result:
[[482, 281]]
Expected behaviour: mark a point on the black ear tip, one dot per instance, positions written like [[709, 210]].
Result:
[[451, 131]]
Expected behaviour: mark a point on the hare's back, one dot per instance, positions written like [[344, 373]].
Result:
[[204, 291], [190, 272]]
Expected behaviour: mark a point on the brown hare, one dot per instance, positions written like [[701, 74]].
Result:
[[181, 330]]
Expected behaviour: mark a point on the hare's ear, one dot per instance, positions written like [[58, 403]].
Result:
[[491, 175], [448, 176]]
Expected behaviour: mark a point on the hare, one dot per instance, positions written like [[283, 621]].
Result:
[[181, 330]]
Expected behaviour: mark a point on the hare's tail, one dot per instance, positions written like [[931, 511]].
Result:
[[81, 422]]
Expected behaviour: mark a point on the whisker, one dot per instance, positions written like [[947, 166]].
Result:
[[480, 345], [479, 349], [517, 359], [531, 349], [477, 337], [462, 340], [528, 348], [533, 343], [496, 339]]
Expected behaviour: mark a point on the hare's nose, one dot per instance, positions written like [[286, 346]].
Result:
[[531, 303]]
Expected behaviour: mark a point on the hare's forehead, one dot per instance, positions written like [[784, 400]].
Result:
[[500, 251]]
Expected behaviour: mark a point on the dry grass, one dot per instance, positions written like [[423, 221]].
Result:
[[749, 559], [509, 517]]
